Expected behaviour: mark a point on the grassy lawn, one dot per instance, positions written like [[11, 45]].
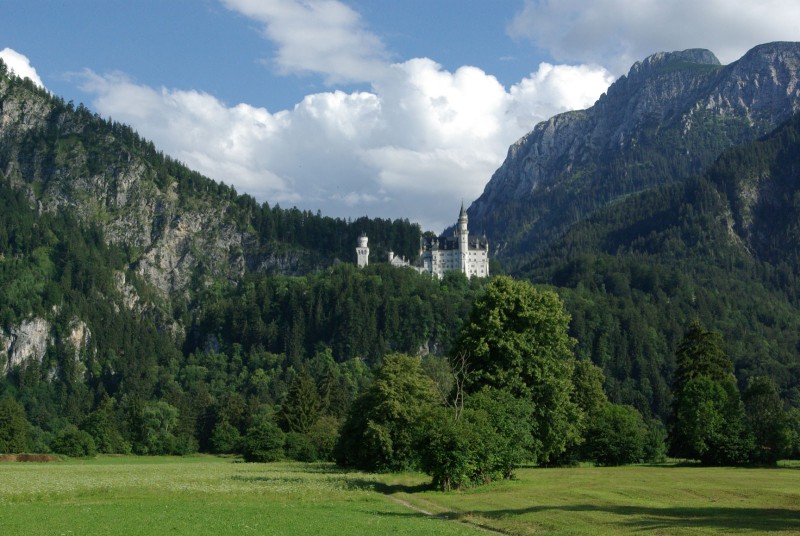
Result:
[[207, 495], [630, 500], [197, 496]]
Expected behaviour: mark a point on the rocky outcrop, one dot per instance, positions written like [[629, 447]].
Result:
[[65, 158], [30, 340], [668, 119], [25, 342]]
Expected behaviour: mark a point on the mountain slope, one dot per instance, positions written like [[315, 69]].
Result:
[[667, 120], [173, 224], [722, 247]]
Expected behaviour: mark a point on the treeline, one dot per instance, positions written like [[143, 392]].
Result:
[[353, 312]]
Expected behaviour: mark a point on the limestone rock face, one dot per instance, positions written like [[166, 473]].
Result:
[[668, 119], [136, 207], [30, 340], [27, 341]]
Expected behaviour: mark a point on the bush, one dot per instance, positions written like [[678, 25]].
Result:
[[103, 426], [616, 436], [324, 435], [655, 445], [490, 437], [39, 440], [709, 424], [767, 421], [451, 449], [793, 424], [381, 427], [299, 447], [225, 438], [75, 443], [263, 443]]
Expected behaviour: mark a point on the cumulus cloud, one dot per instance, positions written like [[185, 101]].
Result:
[[416, 144], [317, 36], [421, 141], [20, 65], [616, 33]]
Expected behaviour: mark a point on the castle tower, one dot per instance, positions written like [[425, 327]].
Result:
[[362, 251], [463, 238]]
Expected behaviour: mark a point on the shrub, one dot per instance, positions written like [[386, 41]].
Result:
[[263, 442], [75, 443], [299, 447], [490, 437], [225, 438], [13, 426], [381, 427], [616, 436], [324, 434]]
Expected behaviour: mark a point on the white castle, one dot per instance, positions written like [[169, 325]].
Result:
[[442, 254]]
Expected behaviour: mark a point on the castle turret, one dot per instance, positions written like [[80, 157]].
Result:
[[362, 251], [463, 238]]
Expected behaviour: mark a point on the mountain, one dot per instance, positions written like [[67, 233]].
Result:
[[172, 222], [134, 290], [155, 308], [722, 247], [667, 120]]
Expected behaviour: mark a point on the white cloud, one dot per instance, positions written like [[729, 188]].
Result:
[[555, 89], [416, 145], [20, 65], [317, 36], [616, 33], [420, 141]]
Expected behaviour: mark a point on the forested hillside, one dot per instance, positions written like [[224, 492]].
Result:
[[721, 248], [146, 308], [144, 295]]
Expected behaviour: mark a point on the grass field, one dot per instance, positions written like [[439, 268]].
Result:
[[630, 500], [206, 495]]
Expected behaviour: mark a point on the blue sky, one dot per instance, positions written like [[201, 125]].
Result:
[[358, 107]]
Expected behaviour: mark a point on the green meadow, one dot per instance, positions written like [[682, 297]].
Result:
[[206, 495]]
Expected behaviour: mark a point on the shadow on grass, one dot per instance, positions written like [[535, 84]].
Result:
[[269, 479], [644, 518], [387, 489]]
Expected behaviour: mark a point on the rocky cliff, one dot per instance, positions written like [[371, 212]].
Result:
[[100, 172], [668, 119], [119, 190]]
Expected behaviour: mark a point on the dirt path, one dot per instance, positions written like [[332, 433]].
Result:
[[444, 517]]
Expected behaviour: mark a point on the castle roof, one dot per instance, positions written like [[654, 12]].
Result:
[[444, 242]]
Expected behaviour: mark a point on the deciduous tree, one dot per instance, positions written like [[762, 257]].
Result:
[[516, 339], [381, 427]]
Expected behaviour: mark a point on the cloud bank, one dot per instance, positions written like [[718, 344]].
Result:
[[20, 65], [616, 33], [420, 141]]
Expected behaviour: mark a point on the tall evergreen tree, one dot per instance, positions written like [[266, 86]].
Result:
[[708, 421], [13, 426], [302, 406]]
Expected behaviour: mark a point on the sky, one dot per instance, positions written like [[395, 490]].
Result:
[[383, 108]]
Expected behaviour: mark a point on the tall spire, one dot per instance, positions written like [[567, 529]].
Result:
[[463, 214]]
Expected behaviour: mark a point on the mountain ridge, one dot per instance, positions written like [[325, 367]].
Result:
[[668, 119]]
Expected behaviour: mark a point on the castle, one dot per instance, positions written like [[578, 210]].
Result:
[[442, 254]]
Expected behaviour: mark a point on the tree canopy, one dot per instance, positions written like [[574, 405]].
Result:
[[516, 339]]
